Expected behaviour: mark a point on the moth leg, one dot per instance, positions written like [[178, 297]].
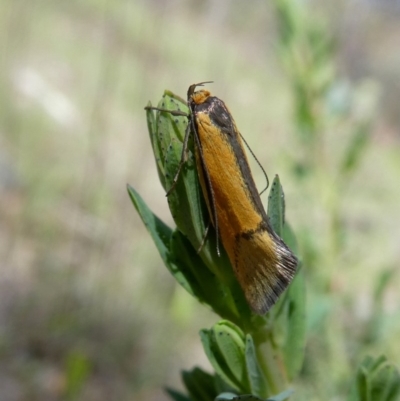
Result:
[[183, 159], [173, 112], [185, 142], [203, 241]]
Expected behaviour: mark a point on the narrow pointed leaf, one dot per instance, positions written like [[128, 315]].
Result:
[[162, 235], [294, 345], [276, 206], [255, 376], [158, 230], [158, 156]]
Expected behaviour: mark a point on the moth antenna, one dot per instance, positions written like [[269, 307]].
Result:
[[258, 162], [193, 87]]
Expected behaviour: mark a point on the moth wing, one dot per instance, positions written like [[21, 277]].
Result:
[[264, 268]]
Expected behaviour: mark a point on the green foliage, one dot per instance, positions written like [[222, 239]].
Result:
[[376, 380]]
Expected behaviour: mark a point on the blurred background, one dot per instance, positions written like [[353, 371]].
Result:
[[87, 310]]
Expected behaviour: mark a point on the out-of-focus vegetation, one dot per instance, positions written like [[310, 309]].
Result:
[[87, 311]]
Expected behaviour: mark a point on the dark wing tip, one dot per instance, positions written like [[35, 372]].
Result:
[[262, 300]]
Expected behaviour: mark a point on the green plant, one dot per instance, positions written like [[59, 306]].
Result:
[[251, 354], [254, 357], [376, 380]]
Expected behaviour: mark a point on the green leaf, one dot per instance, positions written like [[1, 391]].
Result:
[[290, 309], [386, 384], [158, 230], [225, 348], [186, 200], [258, 383], [363, 385], [169, 126], [163, 236], [295, 330], [276, 206], [221, 386], [214, 357], [290, 238], [376, 380], [159, 158], [190, 270], [163, 127], [230, 342], [199, 384]]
